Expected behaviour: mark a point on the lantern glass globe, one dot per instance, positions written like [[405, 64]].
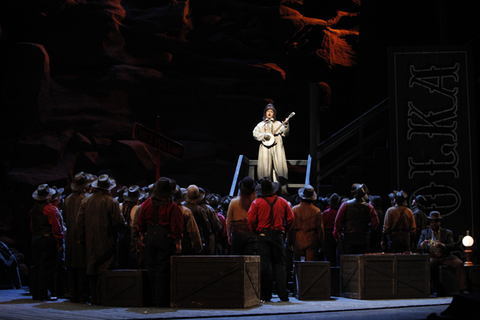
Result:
[[467, 241]]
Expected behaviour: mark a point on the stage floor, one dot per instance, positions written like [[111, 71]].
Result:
[[18, 304]]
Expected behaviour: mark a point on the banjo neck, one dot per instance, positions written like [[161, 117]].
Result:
[[288, 118]]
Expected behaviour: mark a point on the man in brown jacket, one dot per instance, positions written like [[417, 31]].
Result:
[[399, 226], [307, 236], [98, 220]]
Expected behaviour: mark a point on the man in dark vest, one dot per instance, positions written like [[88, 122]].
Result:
[[354, 220], [271, 217]]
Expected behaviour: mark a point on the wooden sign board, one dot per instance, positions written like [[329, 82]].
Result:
[[158, 141]]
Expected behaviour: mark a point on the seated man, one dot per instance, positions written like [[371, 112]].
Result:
[[438, 242]]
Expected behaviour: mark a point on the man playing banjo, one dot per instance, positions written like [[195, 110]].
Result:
[[272, 163]]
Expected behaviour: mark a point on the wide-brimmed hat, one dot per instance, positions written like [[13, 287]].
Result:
[[247, 185], [214, 200], [180, 193], [334, 200], [434, 215], [391, 195], [421, 201], [43, 192], [359, 190], [134, 193], [104, 182], [164, 187], [225, 203], [376, 201], [307, 193], [401, 198], [267, 188], [81, 180], [194, 194], [58, 192]]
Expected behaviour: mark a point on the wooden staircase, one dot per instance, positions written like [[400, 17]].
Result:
[[357, 153]]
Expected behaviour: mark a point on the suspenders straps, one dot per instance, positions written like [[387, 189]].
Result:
[[272, 220]]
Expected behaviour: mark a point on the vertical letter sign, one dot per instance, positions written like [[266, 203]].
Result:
[[433, 134]]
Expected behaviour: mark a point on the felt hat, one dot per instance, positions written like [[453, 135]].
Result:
[[214, 200], [164, 187], [401, 198], [434, 215], [359, 190], [81, 180], [247, 185], [43, 192], [334, 200], [134, 194], [58, 192], [180, 194], [193, 194], [376, 201], [307, 193], [104, 182], [421, 201], [267, 188]]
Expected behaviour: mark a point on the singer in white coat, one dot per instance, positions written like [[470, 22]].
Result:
[[272, 163]]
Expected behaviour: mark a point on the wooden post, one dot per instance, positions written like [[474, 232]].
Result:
[[314, 136], [158, 153]]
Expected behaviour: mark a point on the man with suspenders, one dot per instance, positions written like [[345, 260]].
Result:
[[271, 217]]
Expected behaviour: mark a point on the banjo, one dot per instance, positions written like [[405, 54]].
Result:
[[270, 142]]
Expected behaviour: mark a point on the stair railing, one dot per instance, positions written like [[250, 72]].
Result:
[[350, 142]]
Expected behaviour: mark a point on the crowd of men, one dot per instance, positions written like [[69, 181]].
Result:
[[91, 231]]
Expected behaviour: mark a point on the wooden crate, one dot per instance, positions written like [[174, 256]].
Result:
[[385, 276], [215, 281], [125, 288], [312, 280]]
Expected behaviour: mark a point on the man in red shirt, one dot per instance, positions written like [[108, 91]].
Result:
[[47, 241], [160, 222], [270, 217], [328, 216]]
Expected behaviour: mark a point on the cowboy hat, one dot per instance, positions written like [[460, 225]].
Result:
[[164, 187], [434, 215], [401, 198], [247, 185], [58, 192], [194, 194], [307, 193], [214, 200], [104, 182], [267, 188], [81, 180], [334, 201], [134, 194], [43, 192]]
